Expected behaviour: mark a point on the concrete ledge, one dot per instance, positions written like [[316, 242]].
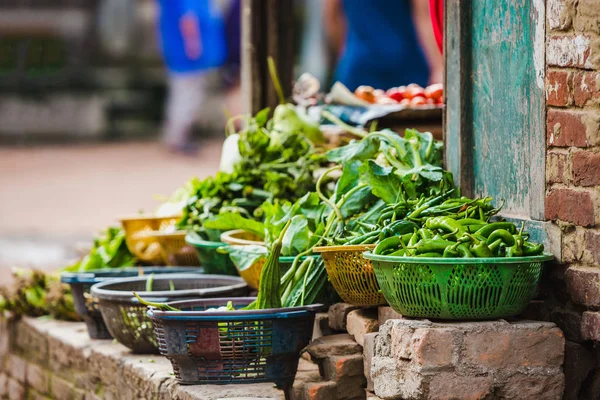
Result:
[[41, 358]]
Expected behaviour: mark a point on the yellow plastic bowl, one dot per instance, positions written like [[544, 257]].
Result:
[[140, 236], [175, 250]]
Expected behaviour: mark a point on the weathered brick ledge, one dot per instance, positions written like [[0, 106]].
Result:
[[44, 358]]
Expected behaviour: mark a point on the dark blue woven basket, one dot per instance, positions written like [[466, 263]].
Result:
[[87, 308], [233, 346]]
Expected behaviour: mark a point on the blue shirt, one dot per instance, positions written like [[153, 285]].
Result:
[[382, 49], [206, 31]]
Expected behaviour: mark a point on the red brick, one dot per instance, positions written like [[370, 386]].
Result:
[[16, 391], [586, 168], [3, 385], [590, 326], [586, 87], [570, 51], [521, 348], [320, 391], [558, 88], [385, 313], [338, 314], [448, 385], [337, 367], [433, 347], [360, 322], [529, 387], [570, 206], [579, 362], [38, 378], [333, 345], [17, 368], [566, 128], [583, 284], [592, 244], [61, 389], [558, 168]]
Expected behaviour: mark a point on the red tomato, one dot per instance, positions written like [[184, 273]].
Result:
[[385, 100], [434, 91], [413, 92], [418, 101], [395, 93], [440, 100], [365, 93]]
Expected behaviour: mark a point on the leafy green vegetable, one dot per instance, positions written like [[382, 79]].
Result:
[[230, 221]]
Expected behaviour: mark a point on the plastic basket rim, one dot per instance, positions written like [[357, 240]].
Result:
[[90, 276], [267, 312], [163, 234], [352, 247], [98, 290], [228, 235], [457, 260]]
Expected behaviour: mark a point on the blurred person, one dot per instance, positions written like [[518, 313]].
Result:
[[383, 43], [192, 38]]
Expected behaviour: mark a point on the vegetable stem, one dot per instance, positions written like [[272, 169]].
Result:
[[275, 79]]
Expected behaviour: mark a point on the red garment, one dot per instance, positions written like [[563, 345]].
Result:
[[436, 9]]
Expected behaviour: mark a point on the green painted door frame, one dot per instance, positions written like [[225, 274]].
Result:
[[495, 120]]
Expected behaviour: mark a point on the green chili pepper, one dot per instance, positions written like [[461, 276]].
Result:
[[502, 234], [451, 252], [517, 249], [388, 244], [361, 239], [445, 223], [430, 254], [413, 239], [470, 221], [488, 229], [398, 253], [480, 248], [426, 246], [495, 246], [531, 249], [425, 233], [463, 251]]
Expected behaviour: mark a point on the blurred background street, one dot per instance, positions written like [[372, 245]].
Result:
[[55, 198]]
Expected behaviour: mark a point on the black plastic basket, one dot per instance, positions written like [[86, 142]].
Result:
[[87, 307], [126, 318], [225, 347]]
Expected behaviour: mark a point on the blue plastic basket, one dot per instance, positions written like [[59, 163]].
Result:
[[233, 346], [87, 307]]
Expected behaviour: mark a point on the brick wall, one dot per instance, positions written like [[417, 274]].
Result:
[[573, 185]]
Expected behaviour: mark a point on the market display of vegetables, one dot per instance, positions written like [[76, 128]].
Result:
[[411, 95]]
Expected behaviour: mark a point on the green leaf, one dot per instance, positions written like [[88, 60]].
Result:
[[357, 201], [358, 150], [262, 117], [295, 239], [243, 257], [230, 221], [383, 182], [349, 179]]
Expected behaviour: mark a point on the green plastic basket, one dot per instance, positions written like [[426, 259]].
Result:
[[212, 261], [458, 288]]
